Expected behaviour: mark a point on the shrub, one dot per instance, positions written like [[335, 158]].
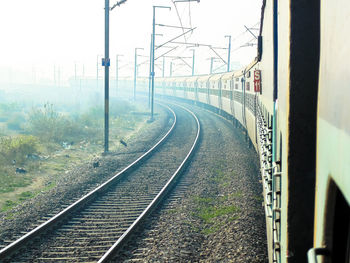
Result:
[[17, 148], [51, 126], [46, 123]]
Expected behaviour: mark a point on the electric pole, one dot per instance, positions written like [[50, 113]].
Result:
[[106, 65], [153, 40], [135, 72], [117, 73], [229, 53], [193, 57]]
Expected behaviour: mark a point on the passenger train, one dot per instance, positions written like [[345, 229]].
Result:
[[293, 102]]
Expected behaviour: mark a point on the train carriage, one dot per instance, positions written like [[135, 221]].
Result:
[[238, 98], [180, 89], [302, 93], [332, 210], [203, 82], [227, 93], [215, 91], [191, 87]]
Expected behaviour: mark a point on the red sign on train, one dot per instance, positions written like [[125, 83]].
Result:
[[257, 80]]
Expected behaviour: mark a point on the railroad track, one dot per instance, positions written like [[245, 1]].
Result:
[[96, 226]]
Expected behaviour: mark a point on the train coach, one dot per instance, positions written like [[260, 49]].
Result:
[[292, 102]]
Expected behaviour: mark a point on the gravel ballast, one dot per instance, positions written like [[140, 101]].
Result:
[[216, 213]]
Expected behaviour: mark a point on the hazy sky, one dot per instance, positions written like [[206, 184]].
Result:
[[40, 35]]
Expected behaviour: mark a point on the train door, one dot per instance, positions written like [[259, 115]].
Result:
[[232, 97], [208, 90], [196, 89], [243, 101]]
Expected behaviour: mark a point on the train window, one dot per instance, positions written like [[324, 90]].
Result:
[[247, 85]]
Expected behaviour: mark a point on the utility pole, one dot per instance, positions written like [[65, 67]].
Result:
[[106, 65], [135, 72], [229, 53], [193, 57], [117, 73], [97, 73], [171, 69], [211, 65], [153, 40], [150, 74], [163, 68]]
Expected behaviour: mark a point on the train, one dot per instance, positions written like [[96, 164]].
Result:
[[293, 103]]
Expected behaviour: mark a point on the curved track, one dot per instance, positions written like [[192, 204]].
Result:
[[95, 226]]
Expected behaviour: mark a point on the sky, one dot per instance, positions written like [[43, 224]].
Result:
[[46, 39]]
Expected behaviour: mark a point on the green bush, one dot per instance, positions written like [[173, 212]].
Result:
[[52, 126], [45, 123], [17, 148]]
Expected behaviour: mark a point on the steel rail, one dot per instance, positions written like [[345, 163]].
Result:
[[156, 201], [10, 249]]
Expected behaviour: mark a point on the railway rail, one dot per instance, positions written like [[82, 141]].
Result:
[[97, 225]]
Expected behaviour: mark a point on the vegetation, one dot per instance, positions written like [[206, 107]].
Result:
[[15, 150], [43, 141], [52, 126], [209, 208]]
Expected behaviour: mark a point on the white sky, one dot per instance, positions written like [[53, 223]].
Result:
[[38, 34]]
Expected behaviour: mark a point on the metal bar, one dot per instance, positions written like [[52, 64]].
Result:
[[251, 32], [175, 57], [197, 45], [174, 26], [216, 53], [152, 74], [314, 252], [135, 72], [106, 75], [229, 53], [185, 62], [176, 38], [211, 65], [166, 52], [118, 4], [193, 50]]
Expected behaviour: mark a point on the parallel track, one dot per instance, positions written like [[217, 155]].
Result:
[[97, 225]]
